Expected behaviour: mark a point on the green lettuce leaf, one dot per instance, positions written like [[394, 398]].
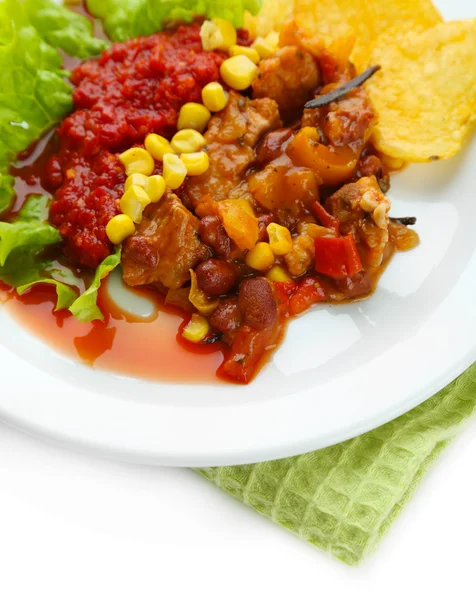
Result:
[[22, 243], [66, 294], [124, 19], [29, 232], [63, 28], [85, 308]]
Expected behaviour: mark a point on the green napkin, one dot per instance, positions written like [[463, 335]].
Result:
[[344, 498]]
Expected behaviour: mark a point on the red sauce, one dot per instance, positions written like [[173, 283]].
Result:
[[119, 343], [134, 88]]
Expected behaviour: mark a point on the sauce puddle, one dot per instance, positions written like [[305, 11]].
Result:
[[151, 349]]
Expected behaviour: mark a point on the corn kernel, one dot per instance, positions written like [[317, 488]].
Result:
[[217, 34], [137, 160], [273, 39], [157, 146], [280, 239], [136, 179], [155, 187], [196, 329], [196, 163], [198, 297], [193, 116], [278, 274], [174, 171], [251, 53], [133, 202], [261, 257], [214, 96], [119, 228], [263, 47], [187, 140], [238, 72]]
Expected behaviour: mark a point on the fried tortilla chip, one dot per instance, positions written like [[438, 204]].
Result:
[[372, 18], [425, 94], [270, 18], [365, 20]]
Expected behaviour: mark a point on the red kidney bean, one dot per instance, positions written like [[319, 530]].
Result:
[[257, 303], [272, 145], [227, 316], [215, 276], [213, 234], [263, 222]]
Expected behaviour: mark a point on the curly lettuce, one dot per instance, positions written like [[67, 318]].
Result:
[[22, 245], [22, 264], [85, 308], [124, 19], [64, 29]]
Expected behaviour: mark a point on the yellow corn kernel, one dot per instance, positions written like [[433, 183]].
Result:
[[137, 160], [278, 274], [238, 72], [198, 298], [251, 53], [155, 187], [273, 39], [217, 34], [133, 202], [174, 171], [263, 47], [214, 96], [280, 239], [196, 163], [136, 179], [261, 257], [187, 140], [119, 228], [196, 329], [157, 146], [193, 116]]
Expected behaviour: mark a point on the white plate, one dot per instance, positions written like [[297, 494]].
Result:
[[341, 371]]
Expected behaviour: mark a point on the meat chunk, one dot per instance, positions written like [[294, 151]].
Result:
[[231, 137], [349, 121], [290, 76], [362, 210], [165, 246]]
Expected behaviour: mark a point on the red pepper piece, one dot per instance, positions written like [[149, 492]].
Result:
[[337, 257], [283, 291], [326, 219], [308, 292]]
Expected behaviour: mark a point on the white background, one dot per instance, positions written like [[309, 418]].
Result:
[[74, 527]]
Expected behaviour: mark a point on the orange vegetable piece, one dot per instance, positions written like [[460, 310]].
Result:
[[333, 165], [240, 225]]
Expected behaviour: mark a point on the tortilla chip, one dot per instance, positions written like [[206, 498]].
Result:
[[340, 19], [270, 18], [323, 19], [321, 22], [425, 94], [372, 18]]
